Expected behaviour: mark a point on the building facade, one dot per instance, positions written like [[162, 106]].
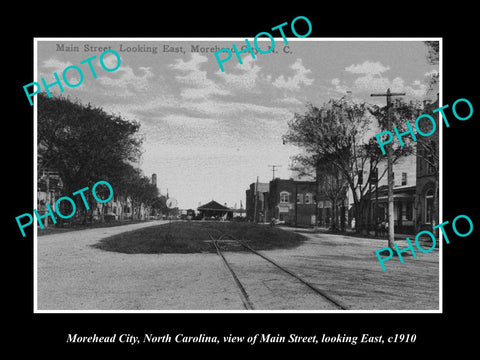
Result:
[[427, 192], [255, 202], [49, 189], [291, 201], [403, 208], [416, 184], [215, 211], [375, 210]]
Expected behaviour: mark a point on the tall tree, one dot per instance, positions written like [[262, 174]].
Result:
[[141, 192], [83, 143], [159, 204], [330, 182], [337, 134], [332, 134]]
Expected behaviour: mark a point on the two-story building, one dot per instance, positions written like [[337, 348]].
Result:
[[292, 201], [427, 173]]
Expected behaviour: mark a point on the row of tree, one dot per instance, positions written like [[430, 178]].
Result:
[[84, 144]]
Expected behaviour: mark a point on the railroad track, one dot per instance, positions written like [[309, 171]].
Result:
[[246, 299]]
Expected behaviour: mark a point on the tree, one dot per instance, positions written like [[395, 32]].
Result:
[[84, 144], [332, 135], [433, 51], [337, 135], [125, 175], [141, 192], [159, 204], [433, 59], [329, 180]]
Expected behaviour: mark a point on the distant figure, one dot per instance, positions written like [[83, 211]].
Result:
[[272, 222], [353, 223], [383, 228]]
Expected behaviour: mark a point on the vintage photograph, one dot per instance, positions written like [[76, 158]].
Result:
[[304, 179]]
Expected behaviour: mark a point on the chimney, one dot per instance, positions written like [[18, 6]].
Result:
[[348, 96]]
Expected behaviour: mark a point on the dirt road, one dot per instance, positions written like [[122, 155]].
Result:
[[72, 275]]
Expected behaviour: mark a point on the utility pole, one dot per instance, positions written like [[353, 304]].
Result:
[[317, 196], [255, 211], [374, 179], [273, 170], [391, 231], [296, 204]]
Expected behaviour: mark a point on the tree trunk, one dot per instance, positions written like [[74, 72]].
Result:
[[363, 217], [120, 212], [102, 214], [333, 223], [85, 214], [135, 211]]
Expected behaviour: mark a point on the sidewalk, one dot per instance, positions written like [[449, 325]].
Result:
[[350, 232]]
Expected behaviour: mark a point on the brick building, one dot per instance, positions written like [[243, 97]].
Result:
[[427, 173], [291, 201]]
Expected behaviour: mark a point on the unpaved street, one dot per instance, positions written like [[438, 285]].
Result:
[[74, 276]]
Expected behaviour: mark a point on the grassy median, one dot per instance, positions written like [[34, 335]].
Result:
[[192, 237]]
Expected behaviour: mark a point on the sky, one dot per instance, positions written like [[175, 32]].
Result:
[[208, 134]]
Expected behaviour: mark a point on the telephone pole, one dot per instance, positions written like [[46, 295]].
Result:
[[255, 210], [273, 169], [391, 224]]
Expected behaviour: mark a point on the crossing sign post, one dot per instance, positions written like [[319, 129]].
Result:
[[171, 203]]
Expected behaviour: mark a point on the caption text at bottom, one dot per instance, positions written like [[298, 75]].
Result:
[[364, 338]]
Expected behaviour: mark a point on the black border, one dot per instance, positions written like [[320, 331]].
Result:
[[46, 333]]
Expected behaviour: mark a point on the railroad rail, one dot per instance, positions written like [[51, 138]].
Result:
[[247, 303]]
